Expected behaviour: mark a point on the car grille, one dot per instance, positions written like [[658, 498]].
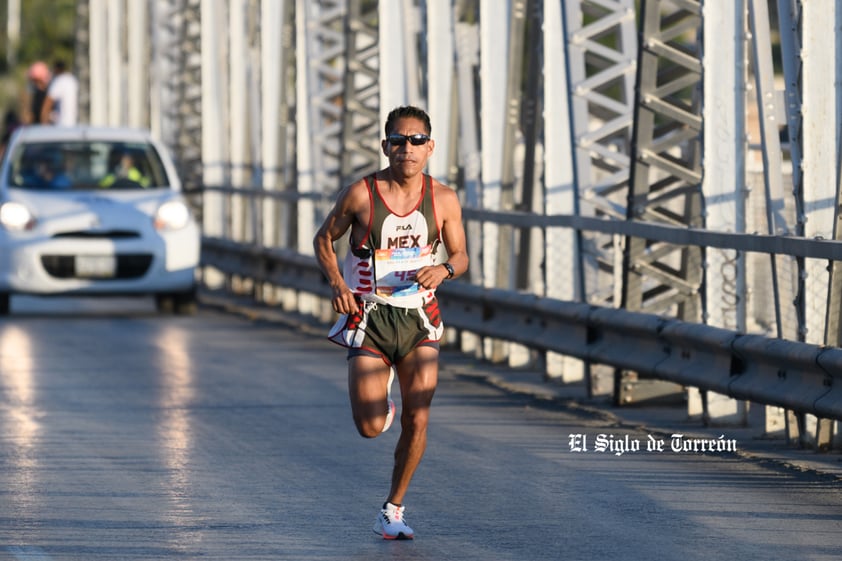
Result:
[[129, 266], [108, 234]]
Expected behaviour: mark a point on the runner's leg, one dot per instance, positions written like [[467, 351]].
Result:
[[368, 377], [417, 375]]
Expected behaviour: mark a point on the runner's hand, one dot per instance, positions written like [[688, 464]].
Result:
[[430, 277], [344, 301]]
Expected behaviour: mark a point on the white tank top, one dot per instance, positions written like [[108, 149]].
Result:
[[383, 267]]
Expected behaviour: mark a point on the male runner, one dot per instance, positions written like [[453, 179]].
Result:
[[398, 217]]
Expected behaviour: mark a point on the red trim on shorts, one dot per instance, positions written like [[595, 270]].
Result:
[[367, 351], [374, 353]]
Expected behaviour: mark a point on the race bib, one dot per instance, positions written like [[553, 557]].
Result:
[[397, 267]]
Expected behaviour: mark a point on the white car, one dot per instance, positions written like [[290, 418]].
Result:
[[95, 210]]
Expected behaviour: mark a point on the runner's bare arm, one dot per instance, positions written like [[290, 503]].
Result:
[[453, 234], [342, 217]]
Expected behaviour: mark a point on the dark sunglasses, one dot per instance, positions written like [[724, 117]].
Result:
[[414, 139]]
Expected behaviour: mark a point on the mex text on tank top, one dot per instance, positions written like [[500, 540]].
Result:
[[383, 267]]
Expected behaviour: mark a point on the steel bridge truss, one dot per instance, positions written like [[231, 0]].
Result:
[[601, 57], [665, 182], [593, 108]]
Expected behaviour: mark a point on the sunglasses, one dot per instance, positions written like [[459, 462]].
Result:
[[414, 139]]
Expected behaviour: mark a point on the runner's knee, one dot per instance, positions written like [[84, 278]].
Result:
[[415, 419], [369, 427]]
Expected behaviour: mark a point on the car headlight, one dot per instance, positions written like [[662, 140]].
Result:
[[16, 217], [172, 215]]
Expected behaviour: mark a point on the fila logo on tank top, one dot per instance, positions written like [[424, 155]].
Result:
[[383, 267]]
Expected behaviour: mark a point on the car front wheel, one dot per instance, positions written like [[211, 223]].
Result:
[[180, 303]]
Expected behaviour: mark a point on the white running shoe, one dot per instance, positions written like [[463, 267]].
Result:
[[390, 404], [391, 525]]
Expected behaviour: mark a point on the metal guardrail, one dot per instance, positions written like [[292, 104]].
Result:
[[793, 246], [801, 377]]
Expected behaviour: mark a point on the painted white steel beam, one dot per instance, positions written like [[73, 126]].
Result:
[[411, 26], [494, 51], [723, 184], [778, 202], [820, 112], [137, 82], [238, 88], [561, 247], [215, 154], [273, 57], [98, 62], [272, 53], [470, 158], [304, 122], [116, 112], [440, 83], [393, 72]]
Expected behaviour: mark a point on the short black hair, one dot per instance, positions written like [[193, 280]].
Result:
[[407, 111]]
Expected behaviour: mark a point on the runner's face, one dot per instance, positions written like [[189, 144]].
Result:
[[408, 159]]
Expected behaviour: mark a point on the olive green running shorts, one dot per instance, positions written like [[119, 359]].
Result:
[[388, 332]]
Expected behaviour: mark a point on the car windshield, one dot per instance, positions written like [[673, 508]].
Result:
[[86, 165]]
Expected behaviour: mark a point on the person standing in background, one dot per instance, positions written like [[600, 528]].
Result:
[[61, 107], [38, 78]]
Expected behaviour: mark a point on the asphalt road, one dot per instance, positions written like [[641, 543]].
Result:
[[128, 435]]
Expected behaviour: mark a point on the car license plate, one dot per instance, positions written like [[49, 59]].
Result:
[[96, 266]]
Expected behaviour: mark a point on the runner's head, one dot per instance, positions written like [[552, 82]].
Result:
[[407, 111]]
